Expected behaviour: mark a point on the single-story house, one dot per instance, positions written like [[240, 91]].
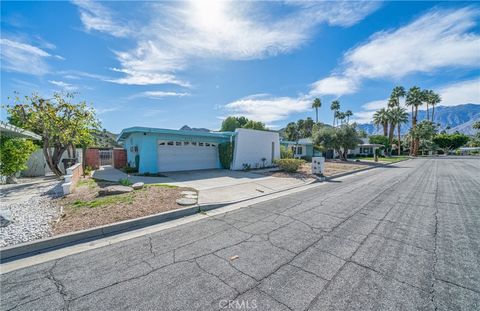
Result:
[[302, 149], [155, 150]]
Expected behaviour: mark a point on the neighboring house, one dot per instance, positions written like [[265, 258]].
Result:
[[365, 149], [302, 149], [163, 150]]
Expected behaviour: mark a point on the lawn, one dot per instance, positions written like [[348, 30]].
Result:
[[385, 159], [84, 209]]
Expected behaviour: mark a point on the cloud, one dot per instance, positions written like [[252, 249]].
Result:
[[267, 109], [178, 33], [160, 94], [334, 85], [460, 93], [64, 85], [438, 39], [22, 57], [95, 16]]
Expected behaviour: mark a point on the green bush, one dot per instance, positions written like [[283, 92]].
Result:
[[285, 153], [289, 165], [125, 182], [129, 169], [14, 154], [225, 153]]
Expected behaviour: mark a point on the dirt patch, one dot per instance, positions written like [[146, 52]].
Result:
[[339, 167], [83, 209]]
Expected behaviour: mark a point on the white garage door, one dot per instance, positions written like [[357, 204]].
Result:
[[184, 156]]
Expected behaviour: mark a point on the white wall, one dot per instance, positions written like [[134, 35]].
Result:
[[252, 145], [37, 165]]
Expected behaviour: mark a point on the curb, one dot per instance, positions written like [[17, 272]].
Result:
[[27, 249], [364, 169]]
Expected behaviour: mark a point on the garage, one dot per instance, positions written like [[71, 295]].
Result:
[[186, 155]]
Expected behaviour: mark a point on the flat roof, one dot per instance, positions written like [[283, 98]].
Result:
[[8, 129], [139, 129]]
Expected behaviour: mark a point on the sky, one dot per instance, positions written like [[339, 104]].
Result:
[[169, 64]]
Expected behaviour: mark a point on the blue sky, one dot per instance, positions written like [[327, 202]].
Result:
[[166, 64]]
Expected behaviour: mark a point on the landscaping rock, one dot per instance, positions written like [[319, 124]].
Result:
[[191, 196], [5, 217], [117, 189], [186, 201], [189, 192], [138, 185]]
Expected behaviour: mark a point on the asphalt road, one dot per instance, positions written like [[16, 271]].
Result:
[[405, 237]]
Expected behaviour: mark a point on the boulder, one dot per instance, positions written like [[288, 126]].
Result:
[[186, 202], [117, 189], [5, 217], [138, 185]]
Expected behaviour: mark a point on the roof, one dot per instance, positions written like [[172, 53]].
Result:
[[370, 145], [14, 131], [302, 141], [138, 129]]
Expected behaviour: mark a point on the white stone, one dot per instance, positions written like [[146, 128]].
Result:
[[185, 201], [138, 185], [117, 189]]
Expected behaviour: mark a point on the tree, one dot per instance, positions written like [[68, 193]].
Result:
[[379, 139], [397, 93], [415, 98], [230, 124], [475, 141], [61, 123], [432, 99], [348, 114], [316, 105], [14, 154], [380, 117], [335, 106], [422, 134], [450, 141], [341, 139], [255, 125], [291, 132], [398, 116]]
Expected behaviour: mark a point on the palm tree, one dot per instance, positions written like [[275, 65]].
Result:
[[335, 106], [432, 99], [381, 118], [317, 103], [415, 98], [338, 116], [397, 92], [348, 114], [399, 116]]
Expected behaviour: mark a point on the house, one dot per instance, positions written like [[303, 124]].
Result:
[[155, 150], [302, 149], [365, 149]]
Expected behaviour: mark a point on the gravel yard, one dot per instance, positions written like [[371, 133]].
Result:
[[31, 218]]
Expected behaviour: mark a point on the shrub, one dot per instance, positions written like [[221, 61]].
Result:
[[88, 170], [129, 169], [289, 165], [14, 154], [125, 182], [225, 153], [285, 153]]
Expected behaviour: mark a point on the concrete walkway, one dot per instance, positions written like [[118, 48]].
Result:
[[214, 186]]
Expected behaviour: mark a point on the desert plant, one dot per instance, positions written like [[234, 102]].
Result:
[[225, 153], [285, 153], [125, 182], [289, 165]]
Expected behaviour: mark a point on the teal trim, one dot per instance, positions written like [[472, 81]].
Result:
[[138, 129]]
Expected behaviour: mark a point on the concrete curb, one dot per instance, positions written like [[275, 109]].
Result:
[[364, 169], [44, 245]]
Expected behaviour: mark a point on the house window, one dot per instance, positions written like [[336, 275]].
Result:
[[186, 143], [207, 145], [170, 143], [200, 144], [194, 143], [178, 143], [299, 150], [162, 143], [213, 145]]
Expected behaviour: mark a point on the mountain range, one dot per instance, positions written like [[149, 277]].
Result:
[[450, 118]]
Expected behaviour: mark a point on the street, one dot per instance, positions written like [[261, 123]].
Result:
[[401, 237]]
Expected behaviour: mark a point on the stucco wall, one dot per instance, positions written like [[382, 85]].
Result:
[[251, 146]]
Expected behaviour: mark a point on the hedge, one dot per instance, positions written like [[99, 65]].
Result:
[[225, 153], [289, 165]]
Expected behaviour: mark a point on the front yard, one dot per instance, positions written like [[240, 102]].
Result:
[[84, 209]]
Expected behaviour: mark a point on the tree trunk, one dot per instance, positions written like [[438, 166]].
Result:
[[53, 160], [385, 129], [391, 132], [433, 111], [399, 140], [316, 115], [428, 114], [333, 121]]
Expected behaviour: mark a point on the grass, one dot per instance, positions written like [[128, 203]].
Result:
[[104, 201], [161, 185], [386, 159], [89, 182]]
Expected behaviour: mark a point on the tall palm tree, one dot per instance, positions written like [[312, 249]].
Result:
[[338, 116], [380, 117], [432, 99], [399, 116], [317, 103], [415, 98], [397, 92], [335, 106], [348, 114]]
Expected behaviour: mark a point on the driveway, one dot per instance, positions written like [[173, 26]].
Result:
[[403, 237], [216, 186]]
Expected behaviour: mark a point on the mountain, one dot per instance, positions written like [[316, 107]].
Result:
[[105, 139], [194, 129], [453, 118]]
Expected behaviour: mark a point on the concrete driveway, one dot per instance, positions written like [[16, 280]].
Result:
[[217, 186], [403, 237]]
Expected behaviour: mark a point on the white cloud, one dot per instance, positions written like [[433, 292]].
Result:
[[267, 109], [334, 85], [376, 104], [95, 16], [179, 32], [160, 94], [463, 92], [64, 85], [22, 57], [438, 39], [363, 116]]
